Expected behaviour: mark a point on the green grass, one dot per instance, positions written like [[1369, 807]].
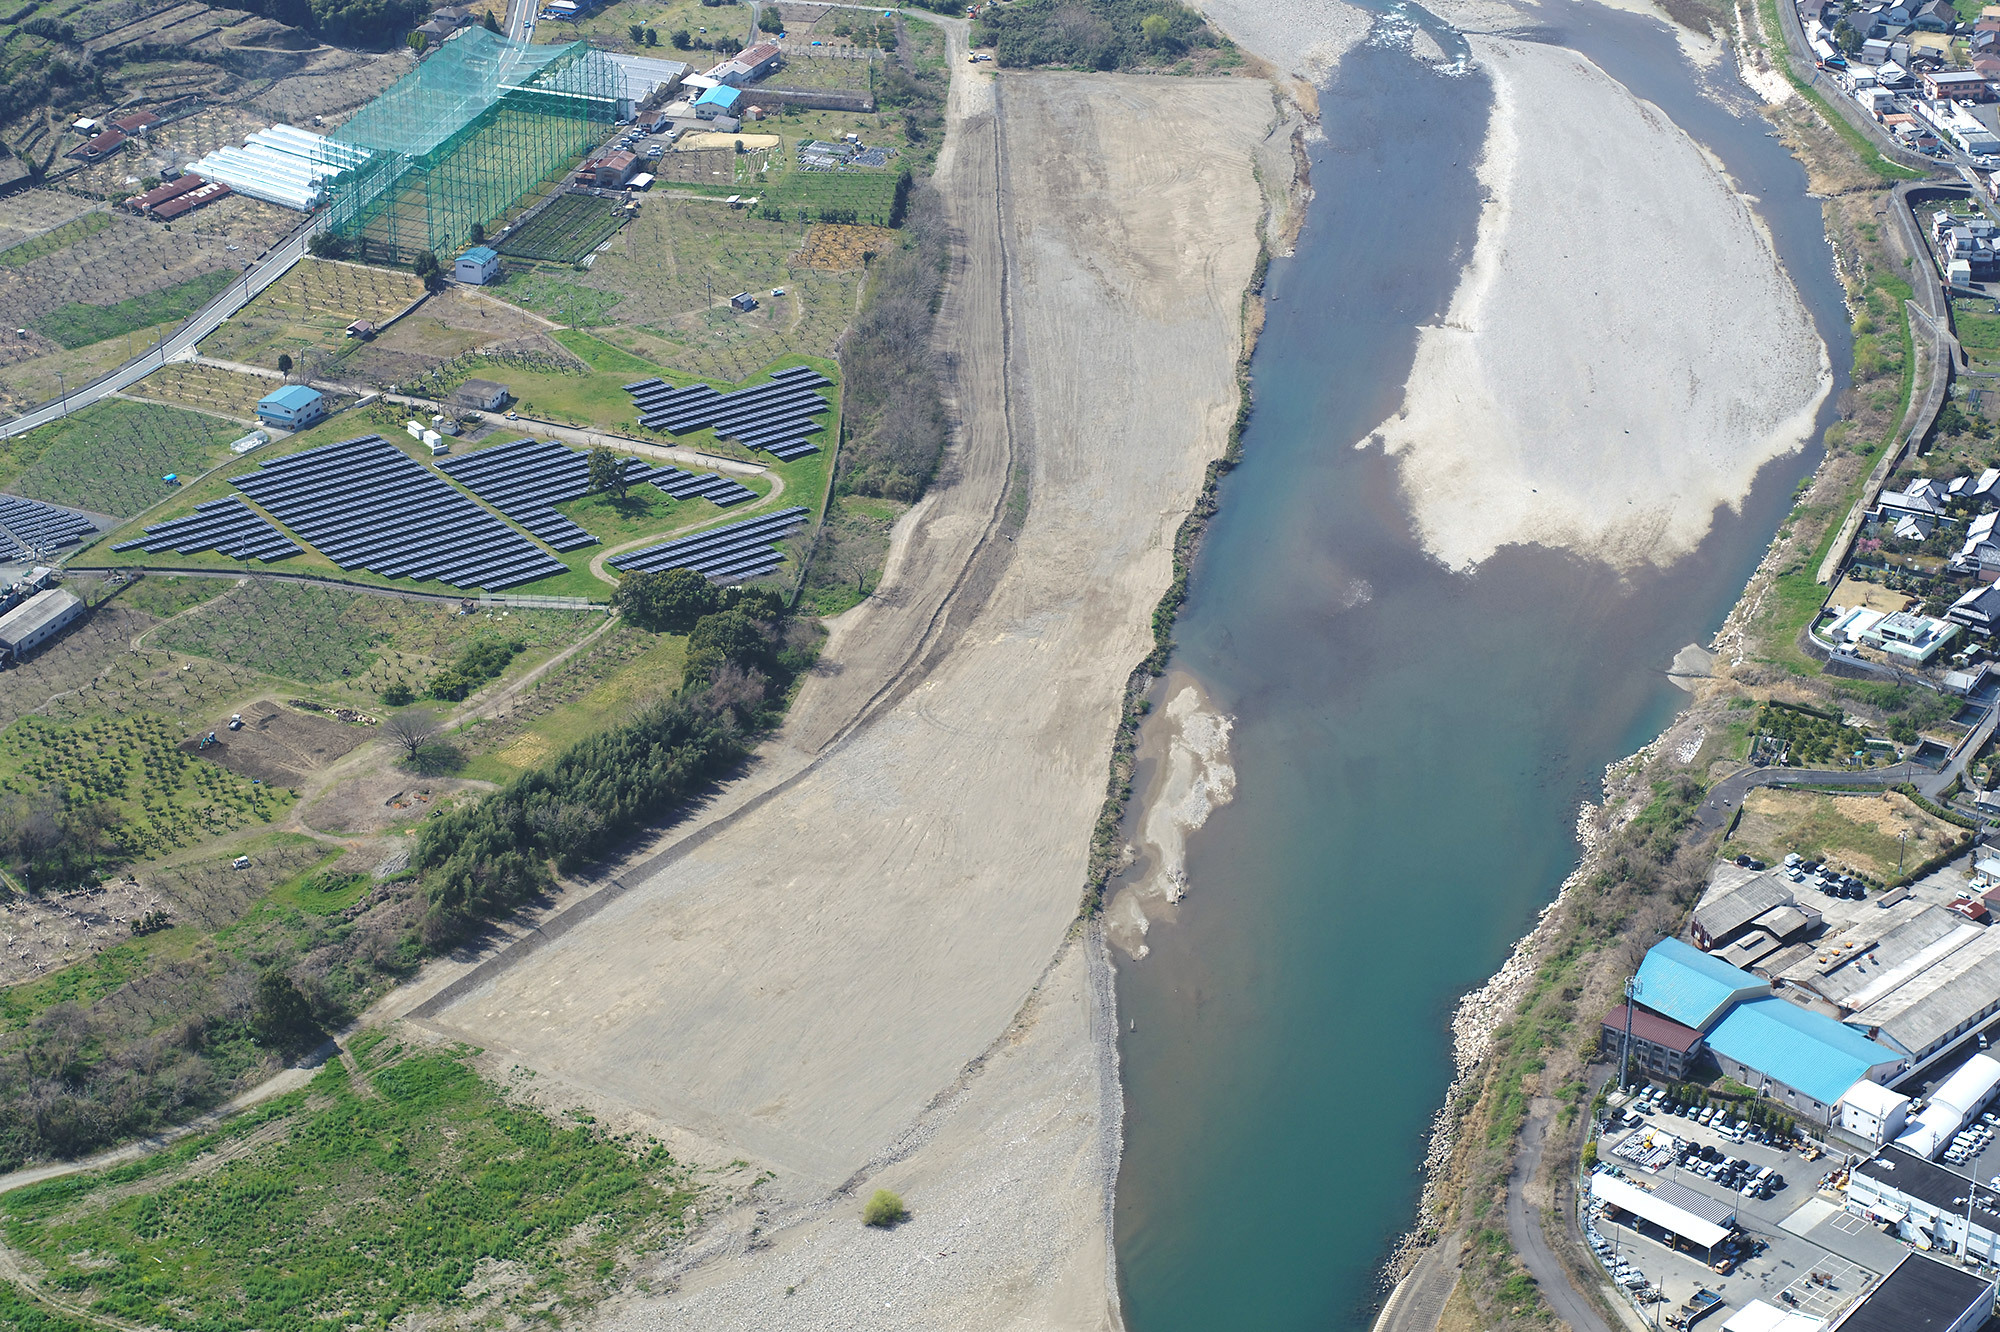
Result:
[[371, 1203], [56, 238], [1864, 148], [110, 456], [566, 302], [591, 694], [865, 193], [78, 325]]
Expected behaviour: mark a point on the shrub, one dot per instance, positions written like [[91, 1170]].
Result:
[[672, 600], [885, 1209], [282, 1018]]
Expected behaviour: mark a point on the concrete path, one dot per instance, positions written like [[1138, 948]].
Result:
[[1727, 794], [1417, 1302]]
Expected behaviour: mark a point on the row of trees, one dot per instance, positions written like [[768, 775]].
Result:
[[1092, 34], [894, 409]]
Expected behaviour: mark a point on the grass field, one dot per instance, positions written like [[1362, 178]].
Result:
[[110, 456], [565, 231], [158, 799], [78, 325], [55, 238], [440, 1177], [596, 689], [311, 307], [1857, 832], [862, 196]]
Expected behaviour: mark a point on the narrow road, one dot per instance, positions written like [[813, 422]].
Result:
[[1727, 794], [1524, 1229]]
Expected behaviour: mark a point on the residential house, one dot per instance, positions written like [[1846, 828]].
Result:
[[1936, 16], [1954, 85], [1978, 610], [720, 100], [1910, 637], [612, 170]]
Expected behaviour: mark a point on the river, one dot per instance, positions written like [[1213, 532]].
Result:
[[1411, 746]]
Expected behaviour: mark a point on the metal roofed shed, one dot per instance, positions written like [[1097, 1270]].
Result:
[[1768, 1041], [480, 394], [1873, 1112], [1681, 982], [1954, 1102], [37, 620], [1694, 1217], [477, 266], [1922, 1295], [291, 407]]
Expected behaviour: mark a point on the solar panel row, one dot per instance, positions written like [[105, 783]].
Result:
[[526, 478], [365, 504], [718, 490], [725, 554], [26, 522], [766, 416], [228, 526]]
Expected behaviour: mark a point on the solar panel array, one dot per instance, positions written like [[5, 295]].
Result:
[[725, 554], [525, 479], [228, 526], [38, 524], [365, 504], [775, 417]]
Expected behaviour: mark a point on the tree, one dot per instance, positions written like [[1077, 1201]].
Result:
[[492, 24], [726, 636], [1158, 31], [885, 1209], [673, 600], [281, 1017], [478, 233], [398, 696], [652, 36], [326, 245], [427, 267], [411, 731], [682, 39], [418, 41], [607, 472], [284, 364], [637, 32], [425, 262], [1847, 37], [770, 20]]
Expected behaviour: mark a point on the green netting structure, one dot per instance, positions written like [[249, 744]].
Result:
[[461, 139]]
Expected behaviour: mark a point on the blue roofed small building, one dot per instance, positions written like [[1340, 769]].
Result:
[[293, 407], [720, 100], [477, 266], [1685, 985], [1805, 1061]]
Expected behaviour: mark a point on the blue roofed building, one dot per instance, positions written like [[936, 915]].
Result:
[[477, 266], [293, 407], [720, 100], [1804, 1060], [1686, 985]]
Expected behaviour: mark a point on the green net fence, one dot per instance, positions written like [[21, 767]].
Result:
[[479, 125]]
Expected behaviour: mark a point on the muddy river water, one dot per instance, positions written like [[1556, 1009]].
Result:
[[1411, 746]]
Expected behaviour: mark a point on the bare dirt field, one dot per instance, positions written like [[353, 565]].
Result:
[[848, 974], [279, 746]]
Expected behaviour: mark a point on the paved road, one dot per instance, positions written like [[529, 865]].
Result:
[[1524, 1228], [182, 341], [1417, 1303]]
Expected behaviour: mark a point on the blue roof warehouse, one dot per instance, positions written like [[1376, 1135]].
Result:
[[292, 407]]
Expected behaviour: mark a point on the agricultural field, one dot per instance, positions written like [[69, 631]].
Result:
[[54, 239], [457, 1193], [207, 387], [37, 369], [836, 247], [110, 456], [672, 271], [697, 166], [33, 213], [364, 644], [842, 67], [611, 28], [79, 325], [565, 231], [445, 326], [308, 311], [853, 195], [148, 794]]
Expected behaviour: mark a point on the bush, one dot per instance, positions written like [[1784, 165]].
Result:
[[672, 600], [885, 1209], [282, 1017], [894, 404]]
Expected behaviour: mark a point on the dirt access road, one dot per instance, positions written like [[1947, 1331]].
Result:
[[865, 967]]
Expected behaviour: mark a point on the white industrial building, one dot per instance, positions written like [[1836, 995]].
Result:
[[35, 621], [1873, 1113], [1954, 1104]]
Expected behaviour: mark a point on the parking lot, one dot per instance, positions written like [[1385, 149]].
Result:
[[1815, 1256]]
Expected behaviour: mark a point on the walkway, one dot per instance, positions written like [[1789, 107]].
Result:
[[1727, 794]]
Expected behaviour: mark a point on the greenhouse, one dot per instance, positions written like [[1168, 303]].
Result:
[[463, 138]]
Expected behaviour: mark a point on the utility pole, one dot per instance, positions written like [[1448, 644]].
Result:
[[1625, 1055], [64, 383]]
